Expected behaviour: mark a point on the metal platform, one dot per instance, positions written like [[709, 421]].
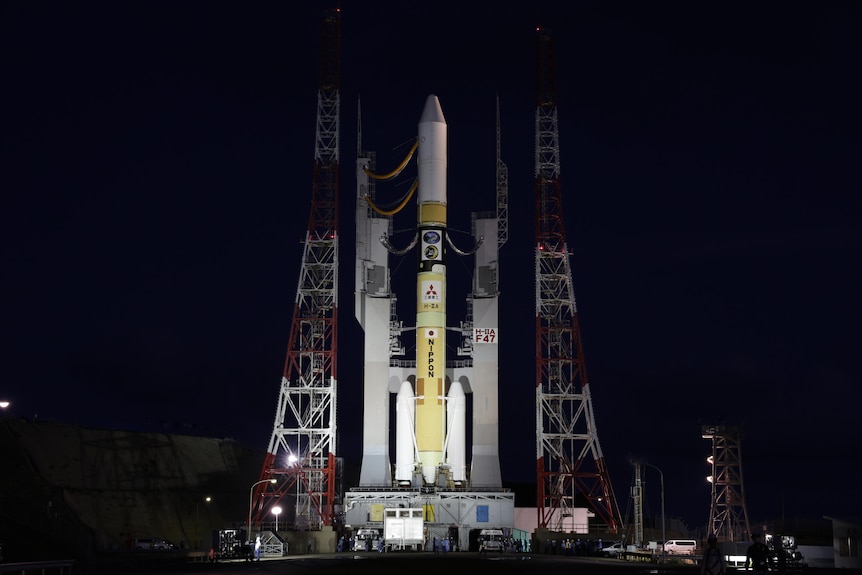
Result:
[[448, 513]]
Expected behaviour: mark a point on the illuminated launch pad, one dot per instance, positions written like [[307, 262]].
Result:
[[431, 469]]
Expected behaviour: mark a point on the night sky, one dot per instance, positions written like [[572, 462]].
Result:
[[156, 177]]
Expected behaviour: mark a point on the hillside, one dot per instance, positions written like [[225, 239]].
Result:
[[69, 492]]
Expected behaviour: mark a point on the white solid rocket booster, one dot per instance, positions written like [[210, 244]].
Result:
[[405, 415], [431, 290], [456, 432]]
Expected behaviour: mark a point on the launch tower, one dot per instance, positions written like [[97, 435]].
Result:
[[301, 451], [569, 460]]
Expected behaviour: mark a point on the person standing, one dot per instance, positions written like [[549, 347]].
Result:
[[757, 556], [713, 559]]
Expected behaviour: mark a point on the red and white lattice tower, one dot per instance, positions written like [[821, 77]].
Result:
[[570, 466], [301, 452]]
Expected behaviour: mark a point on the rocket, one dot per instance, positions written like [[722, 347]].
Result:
[[431, 423], [431, 405], [430, 411]]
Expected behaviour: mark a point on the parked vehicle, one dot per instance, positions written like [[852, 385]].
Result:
[[366, 539], [680, 547], [492, 539], [613, 550], [403, 528], [153, 544]]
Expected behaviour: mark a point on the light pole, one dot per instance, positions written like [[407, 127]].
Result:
[[663, 536], [196, 543], [291, 461], [275, 511], [250, 492]]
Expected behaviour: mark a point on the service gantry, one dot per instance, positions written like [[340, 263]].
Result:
[[570, 467], [301, 452]]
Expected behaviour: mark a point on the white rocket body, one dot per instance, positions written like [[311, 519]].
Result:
[[431, 291]]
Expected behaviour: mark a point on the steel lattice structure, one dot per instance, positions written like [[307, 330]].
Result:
[[502, 188], [301, 452], [728, 516], [569, 458]]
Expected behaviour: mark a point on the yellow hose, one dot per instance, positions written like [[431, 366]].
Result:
[[399, 207], [397, 170]]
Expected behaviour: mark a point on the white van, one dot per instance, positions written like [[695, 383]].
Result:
[[680, 547], [492, 539], [363, 536]]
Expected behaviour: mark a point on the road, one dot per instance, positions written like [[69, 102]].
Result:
[[410, 564]]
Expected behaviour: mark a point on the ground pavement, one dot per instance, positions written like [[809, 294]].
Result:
[[410, 564]]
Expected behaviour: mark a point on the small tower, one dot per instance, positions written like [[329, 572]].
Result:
[[638, 501], [728, 517]]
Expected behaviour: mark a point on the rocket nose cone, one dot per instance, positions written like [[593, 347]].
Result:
[[432, 112]]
